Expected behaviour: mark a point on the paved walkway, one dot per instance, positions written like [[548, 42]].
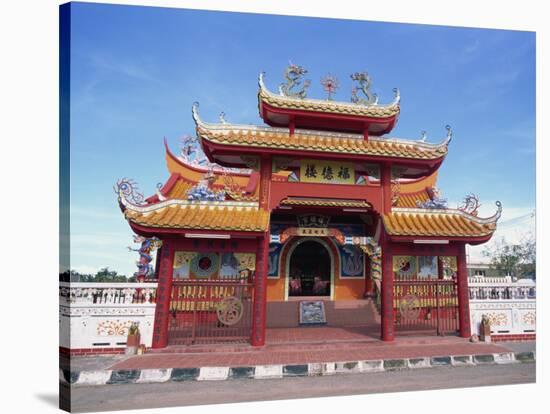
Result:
[[309, 345]]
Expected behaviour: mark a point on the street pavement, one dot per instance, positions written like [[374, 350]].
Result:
[[170, 394]]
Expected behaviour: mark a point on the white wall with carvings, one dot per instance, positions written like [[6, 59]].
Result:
[[510, 305], [98, 315]]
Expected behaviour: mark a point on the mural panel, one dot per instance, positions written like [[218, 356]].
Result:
[[404, 267], [427, 267], [351, 261], [273, 262], [182, 265], [449, 267], [247, 261], [229, 267], [205, 265]]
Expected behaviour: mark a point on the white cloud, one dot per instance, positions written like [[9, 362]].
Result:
[[513, 225]]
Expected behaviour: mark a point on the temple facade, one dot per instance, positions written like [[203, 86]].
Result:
[[318, 217]]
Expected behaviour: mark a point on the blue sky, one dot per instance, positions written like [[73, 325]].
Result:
[[135, 71]]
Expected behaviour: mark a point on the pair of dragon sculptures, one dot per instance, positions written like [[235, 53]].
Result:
[[295, 87]]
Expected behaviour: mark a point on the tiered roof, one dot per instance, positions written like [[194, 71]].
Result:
[[415, 213], [265, 96]]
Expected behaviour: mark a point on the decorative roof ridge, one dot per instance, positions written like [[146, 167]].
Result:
[[227, 126], [265, 90], [177, 202], [260, 128], [488, 220], [246, 172]]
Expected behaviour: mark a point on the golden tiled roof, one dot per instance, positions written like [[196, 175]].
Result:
[[319, 105], [328, 142], [445, 223], [324, 202], [410, 200], [179, 190], [224, 216]]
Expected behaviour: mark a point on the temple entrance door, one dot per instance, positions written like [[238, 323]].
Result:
[[310, 270]]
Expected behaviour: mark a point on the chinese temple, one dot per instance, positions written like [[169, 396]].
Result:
[[318, 217]]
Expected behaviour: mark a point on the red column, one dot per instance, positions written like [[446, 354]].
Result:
[[260, 280], [463, 293], [260, 292], [164, 293], [265, 182], [366, 132], [387, 326], [387, 333], [385, 180]]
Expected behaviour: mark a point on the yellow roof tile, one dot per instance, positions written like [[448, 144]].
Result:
[[445, 223], [322, 105], [310, 141], [201, 216]]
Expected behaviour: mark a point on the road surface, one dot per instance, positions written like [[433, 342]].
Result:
[[170, 394]]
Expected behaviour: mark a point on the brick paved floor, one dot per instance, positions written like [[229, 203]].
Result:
[[313, 344]]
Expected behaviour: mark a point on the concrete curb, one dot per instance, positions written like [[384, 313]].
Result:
[[148, 376]]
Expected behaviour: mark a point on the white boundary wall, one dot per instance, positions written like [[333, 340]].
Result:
[[510, 305], [98, 315]]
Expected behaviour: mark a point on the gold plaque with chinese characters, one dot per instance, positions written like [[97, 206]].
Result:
[[327, 172]]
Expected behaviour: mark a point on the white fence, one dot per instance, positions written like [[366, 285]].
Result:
[[510, 305], [98, 315]]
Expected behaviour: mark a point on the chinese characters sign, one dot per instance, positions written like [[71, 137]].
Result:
[[327, 172]]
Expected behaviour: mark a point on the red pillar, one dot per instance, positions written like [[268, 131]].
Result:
[[260, 280], [463, 293], [387, 326], [366, 132], [385, 181], [164, 293], [260, 292]]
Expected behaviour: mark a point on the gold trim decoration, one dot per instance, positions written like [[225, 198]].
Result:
[[230, 310], [409, 307], [325, 202]]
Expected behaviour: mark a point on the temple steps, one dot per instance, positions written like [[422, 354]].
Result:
[[338, 313]]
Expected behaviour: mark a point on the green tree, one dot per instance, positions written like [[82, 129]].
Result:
[[108, 276], [518, 260], [103, 275]]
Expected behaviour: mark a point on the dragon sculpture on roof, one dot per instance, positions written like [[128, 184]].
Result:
[[364, 86], [291, 88]]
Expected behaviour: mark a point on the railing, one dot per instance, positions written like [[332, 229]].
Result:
[[510, 305], [501, 288], [97, 316], [107, 293]]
